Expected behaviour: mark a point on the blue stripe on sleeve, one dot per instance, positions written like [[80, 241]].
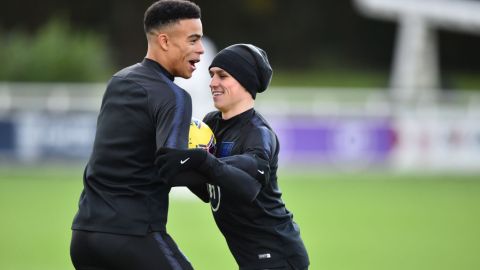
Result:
[[174, 139]]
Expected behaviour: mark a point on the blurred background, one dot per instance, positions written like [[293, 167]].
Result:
[[376, 104]]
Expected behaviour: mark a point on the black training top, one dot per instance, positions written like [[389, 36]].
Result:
[[142, 110], [262, 233]]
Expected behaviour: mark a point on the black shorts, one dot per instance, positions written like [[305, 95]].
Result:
[[105, 251]]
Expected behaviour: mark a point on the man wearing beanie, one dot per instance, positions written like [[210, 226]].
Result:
[[260, 233]]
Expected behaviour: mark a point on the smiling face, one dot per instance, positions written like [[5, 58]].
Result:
[[183, 45], [229, 96]]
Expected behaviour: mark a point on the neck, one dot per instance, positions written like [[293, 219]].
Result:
[[227, 114], [158, 57]]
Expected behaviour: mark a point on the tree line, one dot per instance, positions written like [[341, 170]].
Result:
[[296, 34]]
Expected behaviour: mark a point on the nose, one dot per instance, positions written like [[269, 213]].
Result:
[[213, 82], [201, 48]]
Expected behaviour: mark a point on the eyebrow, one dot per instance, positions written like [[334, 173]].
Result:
[[196, 36]]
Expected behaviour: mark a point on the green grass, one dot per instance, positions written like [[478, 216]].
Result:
[[358, 221]]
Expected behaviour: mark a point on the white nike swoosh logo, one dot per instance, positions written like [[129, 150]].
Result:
[[261, 172], [183, 161]]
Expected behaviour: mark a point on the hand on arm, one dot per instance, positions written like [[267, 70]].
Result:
[[173, 164], [173, 161], [178, 168]]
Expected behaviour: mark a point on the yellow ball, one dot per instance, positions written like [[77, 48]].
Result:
[[201, 136]]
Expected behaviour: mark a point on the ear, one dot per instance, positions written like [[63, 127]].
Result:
[[163, 41]]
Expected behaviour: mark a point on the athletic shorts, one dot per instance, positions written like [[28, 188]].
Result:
[[105, 251]]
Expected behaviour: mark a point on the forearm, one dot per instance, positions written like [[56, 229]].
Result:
[[231, 178], [173, 162], [193, 180], [188, 178], [252, 164]]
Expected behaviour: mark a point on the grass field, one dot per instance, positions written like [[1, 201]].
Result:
[[358, 221]]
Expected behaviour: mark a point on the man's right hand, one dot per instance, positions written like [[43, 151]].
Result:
[[173, 161]]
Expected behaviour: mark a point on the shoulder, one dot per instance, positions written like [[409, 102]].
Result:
[[139, 74], [145, 77], [155, 85], [210, 117], [260, 126], [260, 132]]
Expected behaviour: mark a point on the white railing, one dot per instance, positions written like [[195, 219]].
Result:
[[432, 134]]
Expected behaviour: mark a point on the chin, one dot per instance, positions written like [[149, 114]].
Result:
[[186, 75], [182, 73], [217, 106]]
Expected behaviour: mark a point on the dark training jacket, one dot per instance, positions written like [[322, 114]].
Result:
[[260, 233], [142, 110]]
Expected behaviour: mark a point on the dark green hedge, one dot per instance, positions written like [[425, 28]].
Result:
[[55, 52]]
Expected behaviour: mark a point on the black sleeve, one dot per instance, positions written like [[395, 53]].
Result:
[[193, 180], [171, 111], [201, 191], [230, 178], [235, 181], [251, 163], [187, 179], [217, 172], [258, 149], [244, 174]]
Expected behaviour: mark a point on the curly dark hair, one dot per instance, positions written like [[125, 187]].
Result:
[[165, 12]]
